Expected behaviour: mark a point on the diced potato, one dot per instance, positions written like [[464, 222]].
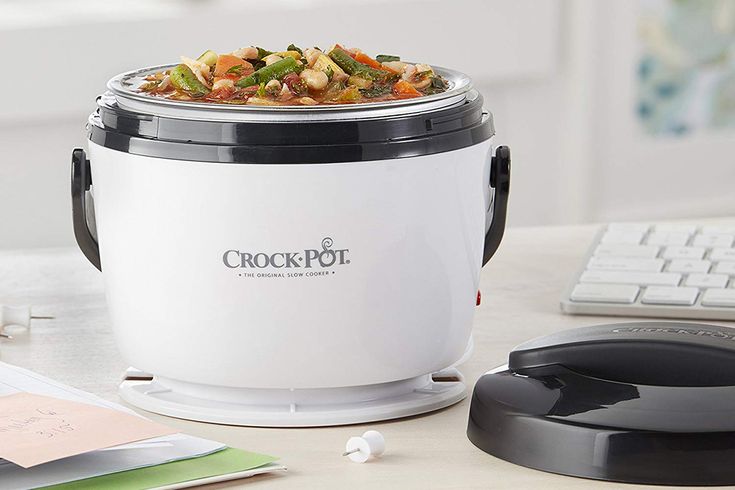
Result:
[[271, 58], [223, 83], [350, 94], [260, 101], [396, 66], [293, 54], [323, 62], [359, 82]]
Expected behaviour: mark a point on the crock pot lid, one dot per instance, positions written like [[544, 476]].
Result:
[[649, 402], [125, 88]]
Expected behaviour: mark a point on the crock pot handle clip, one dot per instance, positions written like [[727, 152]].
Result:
[[500, 181], [81, 179]]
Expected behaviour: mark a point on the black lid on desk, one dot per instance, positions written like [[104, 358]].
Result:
[[650, 402]]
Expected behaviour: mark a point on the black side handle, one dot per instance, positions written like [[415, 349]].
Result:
[[81, 179], [500, 181], [642, 353]]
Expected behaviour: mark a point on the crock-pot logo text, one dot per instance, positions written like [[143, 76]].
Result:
[[714, 334], [323, 258]]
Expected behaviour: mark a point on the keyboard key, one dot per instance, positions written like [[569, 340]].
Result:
[[623, 237], [719, 297], [640, 251], [713, 241], [717, 229], [605, 293], [676, 228], [725, 268], [707, 280], [694, 253], [625, 264], [637, 227], [686, 265], [623, 274], [666, 238], [722, 254], [664, 295], [639, 278]]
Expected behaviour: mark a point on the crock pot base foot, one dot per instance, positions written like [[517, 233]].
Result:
[[317, 408]]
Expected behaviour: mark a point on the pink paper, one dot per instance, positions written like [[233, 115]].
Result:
[[36, 429]]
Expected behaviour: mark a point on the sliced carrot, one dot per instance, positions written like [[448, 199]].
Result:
[[367, 60], [405, 90], [227, 63]]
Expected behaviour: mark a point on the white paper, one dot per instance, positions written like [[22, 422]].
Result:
[[150, 452]]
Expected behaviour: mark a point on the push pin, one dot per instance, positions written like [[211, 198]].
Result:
[[17, 315], [359, 449]]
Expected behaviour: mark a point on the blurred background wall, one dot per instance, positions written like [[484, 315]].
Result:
[[614, 110]]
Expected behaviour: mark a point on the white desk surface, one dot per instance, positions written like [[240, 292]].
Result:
[[521, 288]]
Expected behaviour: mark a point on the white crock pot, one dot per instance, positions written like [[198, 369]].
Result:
[[291, 266]]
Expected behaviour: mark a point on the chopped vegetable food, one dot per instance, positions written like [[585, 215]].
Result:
[[405, 90], [387, 57], [184, 79], [367, 60], [208, 57], [294, 76], [275, 71], [228, 65]]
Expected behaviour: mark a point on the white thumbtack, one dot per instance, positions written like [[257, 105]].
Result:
[[359, 449], [17, 315]]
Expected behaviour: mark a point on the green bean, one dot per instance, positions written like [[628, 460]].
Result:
[[184, 79], [275, 71], [352, 67], [383, 58]]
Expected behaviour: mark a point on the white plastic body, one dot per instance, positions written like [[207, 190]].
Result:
[[396, 305], [272, 407]]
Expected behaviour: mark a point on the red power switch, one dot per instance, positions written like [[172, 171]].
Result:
[[479, 298]]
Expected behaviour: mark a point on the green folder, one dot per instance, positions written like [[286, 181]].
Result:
[[226, 461]]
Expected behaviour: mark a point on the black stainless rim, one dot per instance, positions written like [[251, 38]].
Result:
[[291, 142]]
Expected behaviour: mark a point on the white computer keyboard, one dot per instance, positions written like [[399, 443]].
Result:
[[664, 270]]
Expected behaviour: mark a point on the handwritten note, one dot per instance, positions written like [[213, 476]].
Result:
[[36, 429]]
